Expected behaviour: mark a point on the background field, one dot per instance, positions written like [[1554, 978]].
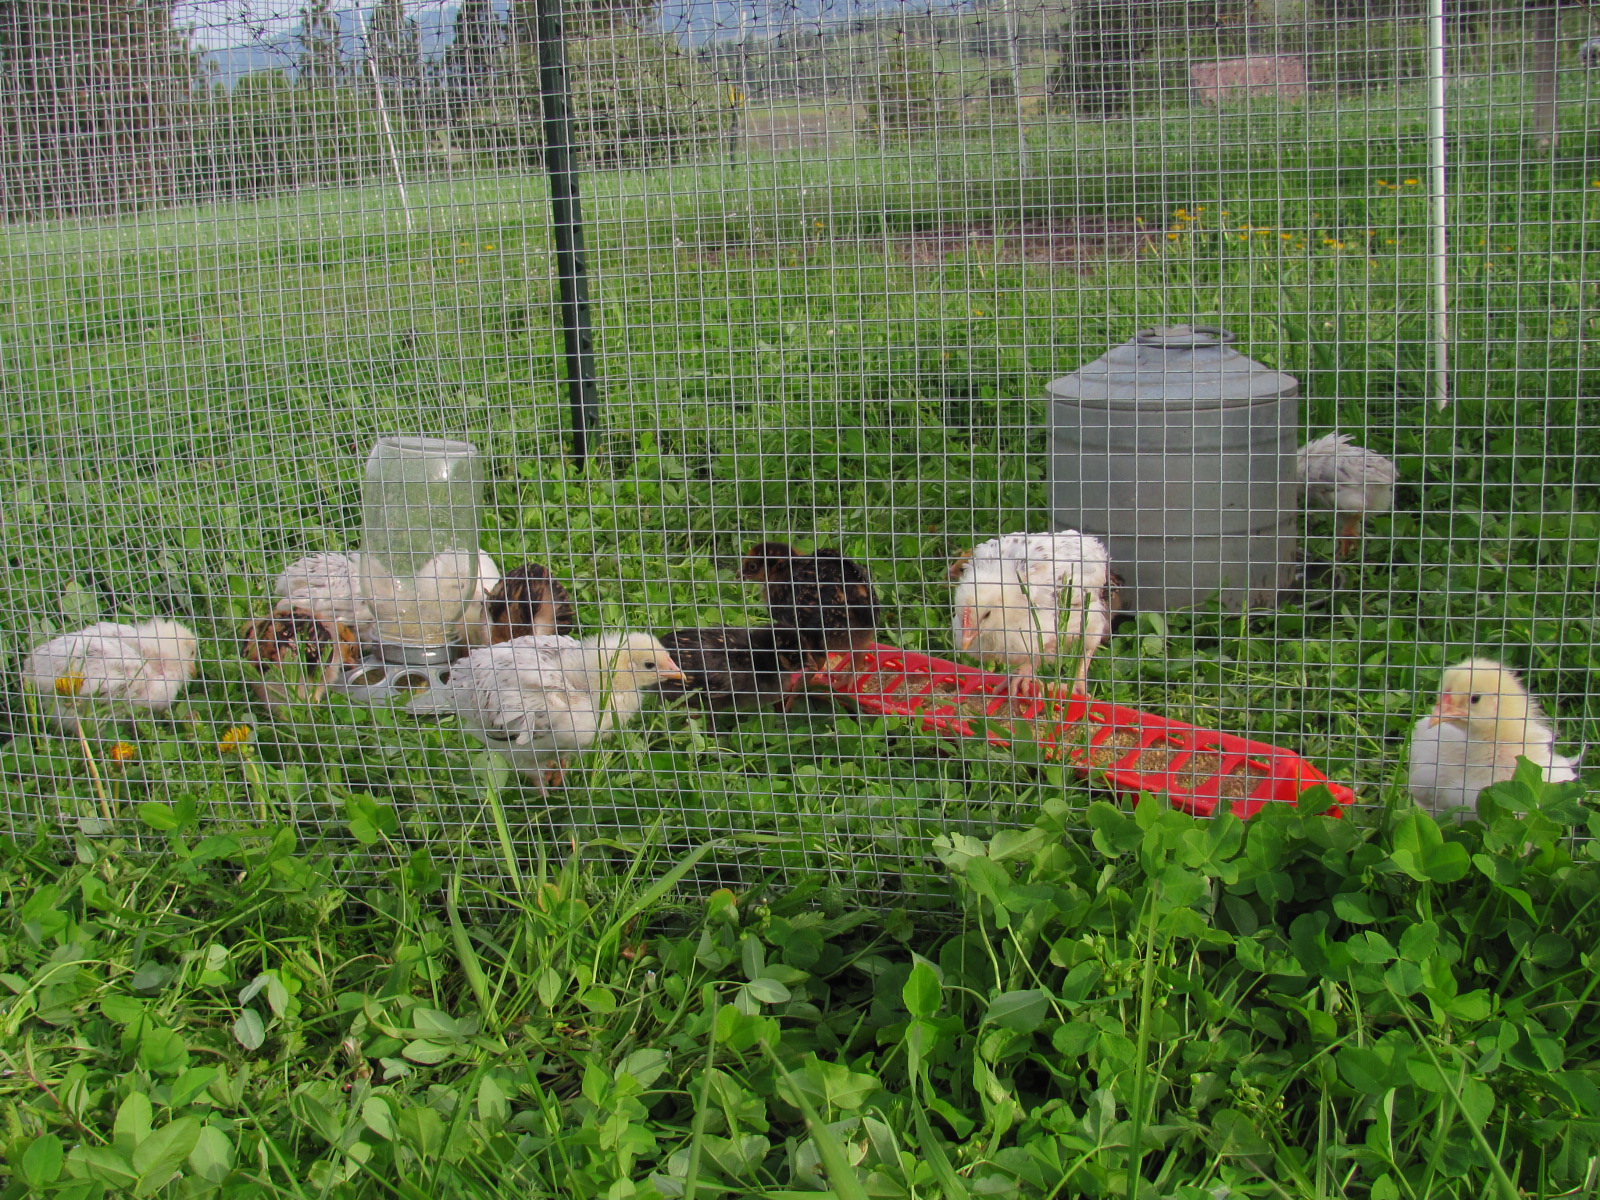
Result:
[[835, 263]]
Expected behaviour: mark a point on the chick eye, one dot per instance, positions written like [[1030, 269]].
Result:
[[651, 665], [1475, 699], [987, 614]]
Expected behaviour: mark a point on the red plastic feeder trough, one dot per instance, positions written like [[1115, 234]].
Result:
[[1195, 768]]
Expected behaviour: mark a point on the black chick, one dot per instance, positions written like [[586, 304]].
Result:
[[824, 597], [734, 668], [529, 599]]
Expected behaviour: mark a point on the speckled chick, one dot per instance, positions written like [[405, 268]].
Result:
[[111, 670], [826, 598], [1350, 479], [727, 667], [528, 600], [1484, 720], [293, 655], [543, 698], [1027, 598]]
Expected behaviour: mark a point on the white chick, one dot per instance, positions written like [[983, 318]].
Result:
[[1027, 597], [473, 628], [328, 586], [1483, 721], [1351, 480], [541, 698], [112, 670]]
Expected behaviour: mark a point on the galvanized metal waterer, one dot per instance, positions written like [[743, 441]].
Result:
[[1179, 453]]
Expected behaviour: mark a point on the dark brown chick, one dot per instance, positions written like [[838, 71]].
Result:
[[734, 668], [296, 655], [824, 597], [529, 599]]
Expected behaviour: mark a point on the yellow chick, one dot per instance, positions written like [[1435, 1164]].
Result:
[[1484, 721]]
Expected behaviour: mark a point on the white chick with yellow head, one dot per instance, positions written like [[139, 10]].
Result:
[[112, 670], [1350, 479], [1484, 721], [1026, 598], [542, 698]]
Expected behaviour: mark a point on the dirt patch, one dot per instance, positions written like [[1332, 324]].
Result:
[[1070, 242]]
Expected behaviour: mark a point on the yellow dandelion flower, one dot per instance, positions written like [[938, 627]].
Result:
[[1181, 213], [1172, 237], [817, 224], [1226, 213], [1202, 208], [1288, 237], [234, 740], [459, 261], [1262, 232], [122, 752], [70, 684], [489, 246], [1388, 241], [1328, 242], [1383, 183], [1411, 183], [977, 312]]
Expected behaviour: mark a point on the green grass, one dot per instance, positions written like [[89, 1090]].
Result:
[[191, 395]]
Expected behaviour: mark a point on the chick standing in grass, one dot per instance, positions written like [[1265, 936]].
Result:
[[1026, 598], [112, 670], [825, 598], [730, 668], [295, 654], [1349, 479], [528, 600], [542, 698], [1483, 722]]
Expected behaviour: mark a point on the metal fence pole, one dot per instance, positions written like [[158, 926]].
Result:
[[567, 218]]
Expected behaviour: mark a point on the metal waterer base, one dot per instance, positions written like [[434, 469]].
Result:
[[390, 672]]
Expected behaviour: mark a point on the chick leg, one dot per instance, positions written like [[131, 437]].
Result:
[[1023, 684], [1349, 534], [554, 776]]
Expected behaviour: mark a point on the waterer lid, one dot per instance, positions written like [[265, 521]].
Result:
[[1180, 366]]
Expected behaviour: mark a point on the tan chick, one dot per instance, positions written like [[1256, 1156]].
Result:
[[1484, 721], [292, 656], [112, 671], [543, 698]]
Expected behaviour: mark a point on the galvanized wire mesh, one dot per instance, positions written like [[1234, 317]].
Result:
[[837, 252]]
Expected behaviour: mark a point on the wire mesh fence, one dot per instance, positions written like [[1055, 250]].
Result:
[[836, 256]]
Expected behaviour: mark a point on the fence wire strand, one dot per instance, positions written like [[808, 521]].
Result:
[[837, 255]]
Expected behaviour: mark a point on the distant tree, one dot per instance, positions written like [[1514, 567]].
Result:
[[319, 39], [93, 97], [395, 45]]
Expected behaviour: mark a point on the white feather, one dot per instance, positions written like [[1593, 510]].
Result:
[[112, 670], [540, 697], [1347, 478], [1034, 596], [328, 585], [473, 628]]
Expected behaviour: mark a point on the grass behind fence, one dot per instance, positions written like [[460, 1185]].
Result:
[[193, 395]]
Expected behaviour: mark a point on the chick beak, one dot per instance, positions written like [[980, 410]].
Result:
[[671, 675], [969, 631], [1451, 707]]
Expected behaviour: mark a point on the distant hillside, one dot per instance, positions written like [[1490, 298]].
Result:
[[692, 21]]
